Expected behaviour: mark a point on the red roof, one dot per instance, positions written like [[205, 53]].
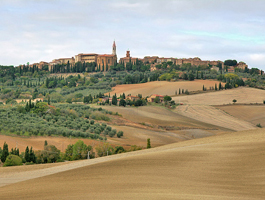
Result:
[[106, 55], [88, 54], [157, 95]]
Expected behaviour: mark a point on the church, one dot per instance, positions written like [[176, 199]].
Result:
[[103, 61]]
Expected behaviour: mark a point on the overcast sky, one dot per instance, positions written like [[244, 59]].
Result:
[[42, 30]]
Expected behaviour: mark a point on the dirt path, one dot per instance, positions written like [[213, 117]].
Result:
[[211, 115]]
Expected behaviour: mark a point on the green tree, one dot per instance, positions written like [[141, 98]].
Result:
[[5, 152], [104, 150], [191, 77], [120, 134], [32, 156], [167, 98], [148, 143], [49, 100], [114, 100], [12, 160], [68, 152], [119, 149], [220, 86], [27, 155], [80, 150], [122, 103]]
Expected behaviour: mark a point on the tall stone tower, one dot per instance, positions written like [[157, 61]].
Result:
[[114, 48]]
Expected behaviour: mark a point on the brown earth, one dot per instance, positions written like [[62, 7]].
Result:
[[242, 95], [162, 87], [227, 166], [215, 116], [37, 143], [156, 116], [254, 114]]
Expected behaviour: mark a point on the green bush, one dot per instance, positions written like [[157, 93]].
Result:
[[120, 134], [13, 160]]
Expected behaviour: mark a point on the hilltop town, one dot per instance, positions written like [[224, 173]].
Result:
[[103, 62]]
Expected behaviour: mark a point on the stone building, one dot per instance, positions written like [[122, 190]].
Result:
[[87, 58], [40, 64], [128, 59], [150, 59], [162, 60], [103, 61], [242, 65]]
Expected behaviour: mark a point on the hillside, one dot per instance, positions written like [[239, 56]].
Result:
[[228, 166], [162, 87], [254, 114], [241, 94], [214, 116]]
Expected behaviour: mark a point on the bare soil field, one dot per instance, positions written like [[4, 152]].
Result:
[[160, 117], [242, 95], [162, 87], [227, 166], [254, 114], [215, 116], [37, 143]]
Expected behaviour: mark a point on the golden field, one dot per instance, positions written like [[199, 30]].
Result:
[[227, 166], [207, 148]]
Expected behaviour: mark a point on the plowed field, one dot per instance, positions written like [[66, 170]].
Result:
[[228, 166]]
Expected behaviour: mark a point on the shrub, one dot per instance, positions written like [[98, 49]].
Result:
[[112, 133], [148, 143], [119, 149], [120, 134], [258, 125], [13, 160]]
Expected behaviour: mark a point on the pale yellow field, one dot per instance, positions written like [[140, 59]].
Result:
[[162, 87], [242, 95], [254, 114], [227, 166], [215, 116]]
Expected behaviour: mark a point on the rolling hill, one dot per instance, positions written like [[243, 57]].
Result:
[[227, 166]]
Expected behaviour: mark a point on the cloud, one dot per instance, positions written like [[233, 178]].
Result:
[[218, 30]]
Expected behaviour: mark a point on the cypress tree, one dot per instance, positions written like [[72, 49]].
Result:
[[32, 156], [27, 108], [215, 87], [27, 155], [4, 153], [179, 91], [148, 143]]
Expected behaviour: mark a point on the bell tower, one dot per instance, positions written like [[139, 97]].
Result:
[[114, 48]]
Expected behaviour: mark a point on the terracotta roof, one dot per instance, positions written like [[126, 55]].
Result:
[[106, 55], [88, 54], [157, 95]]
